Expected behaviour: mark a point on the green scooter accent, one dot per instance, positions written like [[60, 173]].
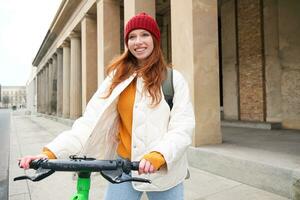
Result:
[[83, 186]]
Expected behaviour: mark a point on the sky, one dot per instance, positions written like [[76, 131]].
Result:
[[23, 26]]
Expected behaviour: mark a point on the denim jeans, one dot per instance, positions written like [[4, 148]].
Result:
[[125, 191]]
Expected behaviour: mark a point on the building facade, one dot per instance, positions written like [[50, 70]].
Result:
[[240, 57], [13, 96], [31, 92]]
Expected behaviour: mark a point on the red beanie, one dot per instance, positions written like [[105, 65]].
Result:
[[142, 21]]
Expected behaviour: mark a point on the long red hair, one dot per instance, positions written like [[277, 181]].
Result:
[[153, 71]]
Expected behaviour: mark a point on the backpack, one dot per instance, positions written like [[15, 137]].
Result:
[[168, 88]]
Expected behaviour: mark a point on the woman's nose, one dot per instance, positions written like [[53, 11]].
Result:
[[138, 40]]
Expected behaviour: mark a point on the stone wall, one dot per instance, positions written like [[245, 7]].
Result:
[[250, 58], [289, 54]]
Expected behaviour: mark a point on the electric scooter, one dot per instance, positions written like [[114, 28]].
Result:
[[111, 170]]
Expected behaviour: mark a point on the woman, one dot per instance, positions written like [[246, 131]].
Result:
[[128, 117]]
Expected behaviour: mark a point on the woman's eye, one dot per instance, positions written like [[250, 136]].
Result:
[[131, 37], [145, 34]]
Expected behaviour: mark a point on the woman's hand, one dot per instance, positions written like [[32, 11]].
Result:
[[146, 167], [26, 160]]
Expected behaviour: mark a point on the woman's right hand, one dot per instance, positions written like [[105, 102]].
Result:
[[26, 160]]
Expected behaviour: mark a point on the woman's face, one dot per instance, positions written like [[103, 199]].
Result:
[[140, 44]]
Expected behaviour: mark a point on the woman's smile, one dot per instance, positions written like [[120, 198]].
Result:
[[140, 44]]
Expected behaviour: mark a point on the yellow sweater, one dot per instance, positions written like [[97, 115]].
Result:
[[125, 108]]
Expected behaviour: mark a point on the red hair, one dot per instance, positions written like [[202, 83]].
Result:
[[153, 71]]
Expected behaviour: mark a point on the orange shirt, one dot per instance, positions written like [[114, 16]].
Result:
[[125, 108]]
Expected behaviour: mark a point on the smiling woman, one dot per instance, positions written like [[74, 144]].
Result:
[[128, 117]]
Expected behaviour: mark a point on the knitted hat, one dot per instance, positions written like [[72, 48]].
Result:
[[142, 21]]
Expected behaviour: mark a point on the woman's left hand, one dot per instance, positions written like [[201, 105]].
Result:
[[146, 167]]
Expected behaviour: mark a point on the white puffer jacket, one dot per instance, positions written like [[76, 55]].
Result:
[[153, 129]]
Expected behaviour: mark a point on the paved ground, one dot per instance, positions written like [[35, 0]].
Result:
[[30, 134], [4, 152], [271, 158]]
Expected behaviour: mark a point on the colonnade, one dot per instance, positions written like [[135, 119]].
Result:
[[71, 73]]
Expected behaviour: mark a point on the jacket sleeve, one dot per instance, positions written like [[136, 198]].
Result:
[[72, 141], [181, 125]]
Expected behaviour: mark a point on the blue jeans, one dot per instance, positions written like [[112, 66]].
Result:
[[125, 191]]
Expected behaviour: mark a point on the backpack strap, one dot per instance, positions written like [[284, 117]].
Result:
[[168, 88]]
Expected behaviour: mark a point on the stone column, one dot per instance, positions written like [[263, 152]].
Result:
[[40, 86], [108, 33], [38, 92], [289, 51], [89, 58], [35, 95], [75, 79], [54, 85], [49, 87], [133, 7], [45, 89], [195, 54], [59, 99], [229, 61], [42, 89], [45, 80], [272, 62], [66, 80]]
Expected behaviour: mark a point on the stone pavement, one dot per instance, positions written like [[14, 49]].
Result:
[[31, 133]]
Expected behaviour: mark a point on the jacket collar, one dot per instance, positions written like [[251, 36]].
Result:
[[119, 88]]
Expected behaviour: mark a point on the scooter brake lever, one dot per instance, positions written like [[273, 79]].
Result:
[[115, 177], [39, 175], [134, 179]]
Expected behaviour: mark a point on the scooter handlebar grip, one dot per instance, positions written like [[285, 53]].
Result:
[[135, 165], [35, 164]]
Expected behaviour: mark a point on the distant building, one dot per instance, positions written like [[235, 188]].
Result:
[[13, 96]]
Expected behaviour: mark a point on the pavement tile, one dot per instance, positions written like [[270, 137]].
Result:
[[243, 192], [20, 196]]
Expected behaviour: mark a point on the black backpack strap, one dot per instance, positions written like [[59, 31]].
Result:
[[168, 88]]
